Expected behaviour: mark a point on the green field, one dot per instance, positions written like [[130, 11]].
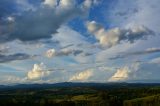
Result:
[[145, 101]]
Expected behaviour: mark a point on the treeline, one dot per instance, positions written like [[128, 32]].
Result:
[[82, 96], [100, 99], [55, 103]]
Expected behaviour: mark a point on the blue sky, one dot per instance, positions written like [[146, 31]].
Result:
[[49, 41]]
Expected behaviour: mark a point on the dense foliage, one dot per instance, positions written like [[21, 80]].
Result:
[[79, 95]]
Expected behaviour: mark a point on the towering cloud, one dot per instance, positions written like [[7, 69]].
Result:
[[39, 71], [114, 36], [138, 72], [82, 76], [121, 75]]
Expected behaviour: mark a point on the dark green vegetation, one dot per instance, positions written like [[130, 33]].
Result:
[[145, 101], [81, 94]]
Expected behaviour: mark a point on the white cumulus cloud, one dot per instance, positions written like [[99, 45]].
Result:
[[82, 76], [38, 71], [121, 75], [50, 3], [116, 35], [51, 53]]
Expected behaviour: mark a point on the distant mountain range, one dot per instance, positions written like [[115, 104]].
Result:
[[78, 84]]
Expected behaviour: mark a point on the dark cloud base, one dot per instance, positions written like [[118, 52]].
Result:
[[13, 57]]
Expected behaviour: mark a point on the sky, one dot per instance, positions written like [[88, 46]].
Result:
[[51, 41]]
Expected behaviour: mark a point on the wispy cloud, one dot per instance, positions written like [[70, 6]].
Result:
[[64, 52], [145, 52]]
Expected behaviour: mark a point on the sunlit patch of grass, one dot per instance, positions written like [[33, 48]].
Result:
[[146, 101]]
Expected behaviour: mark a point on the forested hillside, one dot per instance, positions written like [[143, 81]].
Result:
[[79, 94]]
